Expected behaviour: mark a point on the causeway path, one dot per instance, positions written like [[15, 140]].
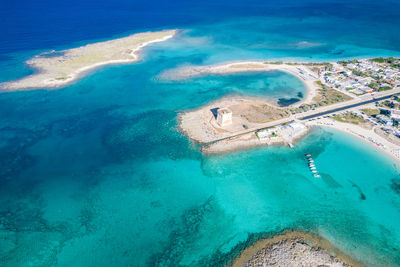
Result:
[[322, 111]]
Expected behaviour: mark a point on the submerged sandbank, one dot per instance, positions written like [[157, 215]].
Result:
[[66, 66], [302, 71]]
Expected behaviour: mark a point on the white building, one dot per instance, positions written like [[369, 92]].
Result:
[[385, 120], [224, 116], [265, 134], [293, 130]]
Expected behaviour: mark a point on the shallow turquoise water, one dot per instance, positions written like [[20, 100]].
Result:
[[96, 173]]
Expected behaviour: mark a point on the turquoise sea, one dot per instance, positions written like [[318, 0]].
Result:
[[97, 174]]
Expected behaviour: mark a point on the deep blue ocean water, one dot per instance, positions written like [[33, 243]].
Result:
[[96, 173]]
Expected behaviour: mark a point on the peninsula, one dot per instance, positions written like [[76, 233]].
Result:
[[57, 69], [338, 95]]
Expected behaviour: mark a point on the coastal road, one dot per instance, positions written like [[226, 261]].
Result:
[[359, 101], [330, 111]]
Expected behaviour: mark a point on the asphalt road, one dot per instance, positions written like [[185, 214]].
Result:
[[314, 113], [347, 107]]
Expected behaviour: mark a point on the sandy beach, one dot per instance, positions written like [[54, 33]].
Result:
[[60, 70], [368, 136], [249, 140], [249, 114], [200, 126]]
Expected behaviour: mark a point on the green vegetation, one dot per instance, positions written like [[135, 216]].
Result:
[[373, 85], [264, 113], [379, 60], [274, 63], [350, 117], [328, 67], [396, 66], [359, 73], [384, 88], [346, 62], [388, 60], [326, 96], [371, 111]]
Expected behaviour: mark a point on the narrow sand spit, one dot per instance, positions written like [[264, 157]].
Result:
[[59, 70], [301, 71]]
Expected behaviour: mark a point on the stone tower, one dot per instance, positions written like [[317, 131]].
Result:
[[224, 116]]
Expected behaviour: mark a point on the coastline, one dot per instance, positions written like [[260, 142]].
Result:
[[199, 124], [367, 136], [249, 140], [186, 72], [245, 142], [117, 51], [295, 247]]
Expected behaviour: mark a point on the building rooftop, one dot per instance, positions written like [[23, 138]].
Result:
[[224, 110]]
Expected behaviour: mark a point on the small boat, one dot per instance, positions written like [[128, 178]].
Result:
[[310, 160], [308, 155], [313, 168], [311, 165], [314, 171], [317, 175]]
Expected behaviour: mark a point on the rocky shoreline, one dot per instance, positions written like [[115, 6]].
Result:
[[294, 248]]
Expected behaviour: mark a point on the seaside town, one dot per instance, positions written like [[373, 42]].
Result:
[[363, 76], [360, 97]]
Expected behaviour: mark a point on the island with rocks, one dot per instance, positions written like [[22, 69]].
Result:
[[293, 248]]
